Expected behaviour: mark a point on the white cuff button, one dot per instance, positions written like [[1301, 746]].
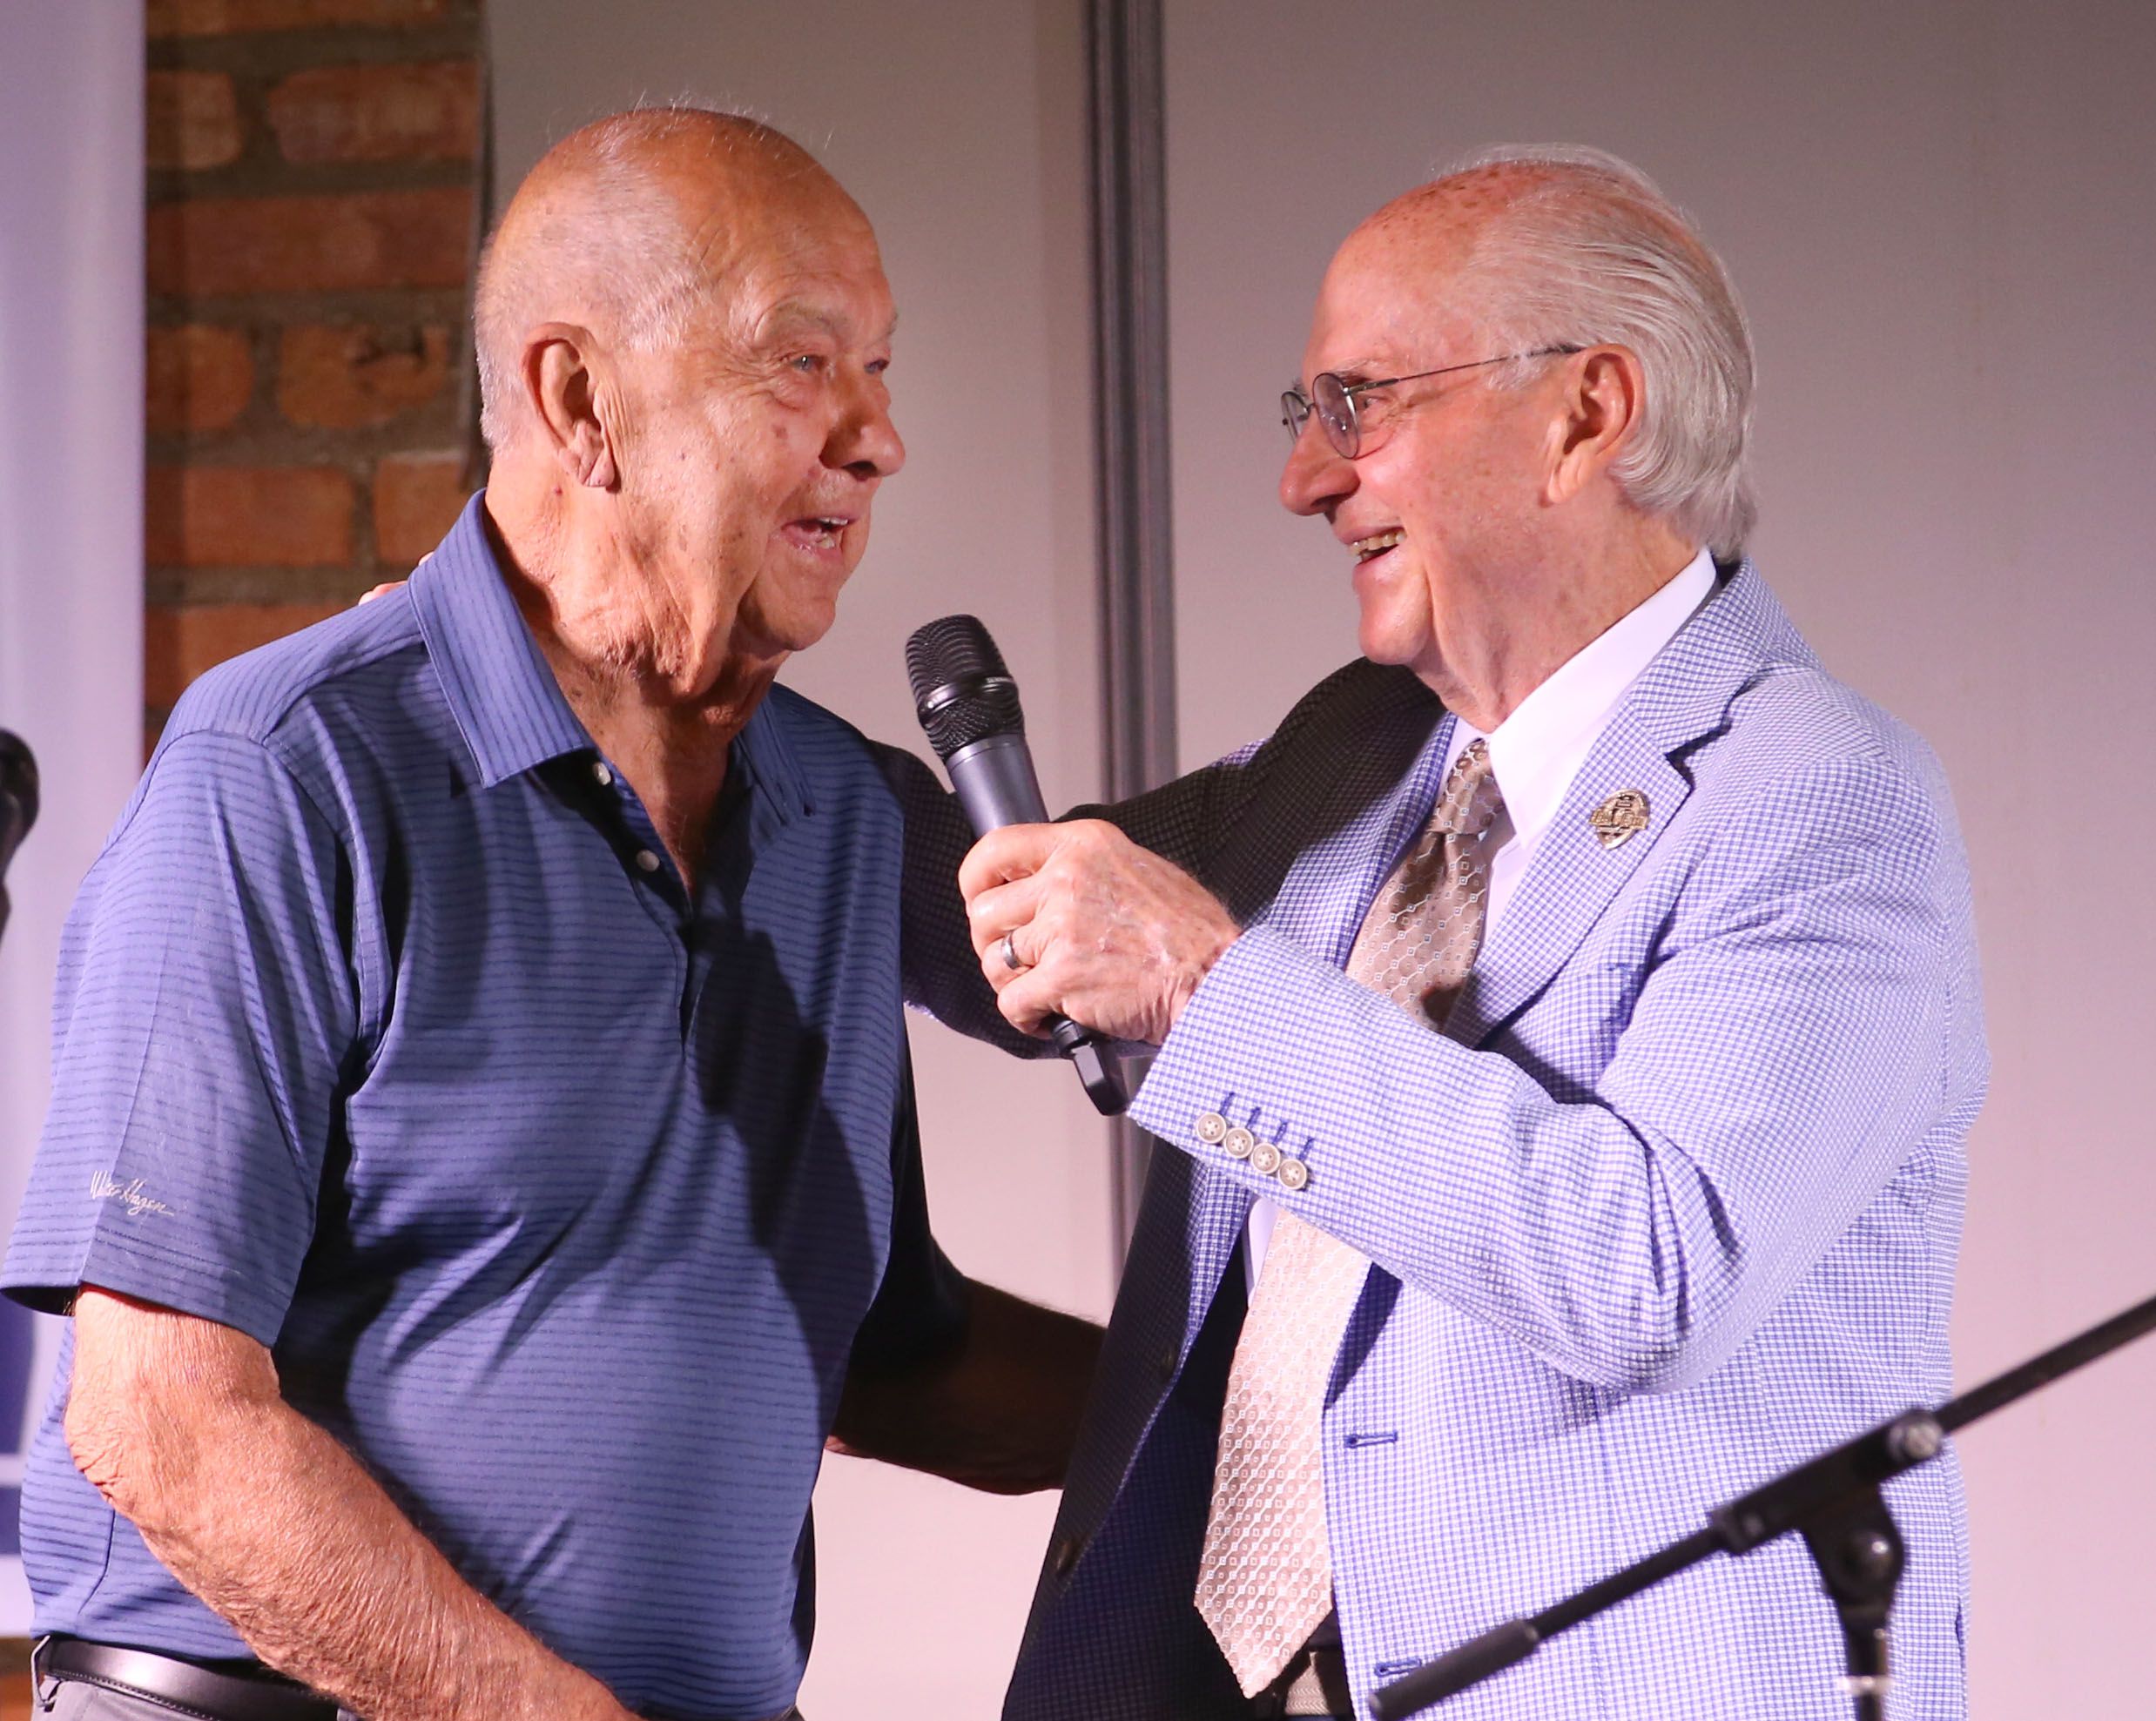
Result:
[[1293, 1173], [1212, 1128], [1264, 1158], [1238, 1143]]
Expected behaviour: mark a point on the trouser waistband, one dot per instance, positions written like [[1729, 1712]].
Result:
[[174, 1683], [251, 1692]]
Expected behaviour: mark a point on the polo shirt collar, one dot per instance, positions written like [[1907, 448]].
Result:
[[502, 691], [763, 751], [508, 706]]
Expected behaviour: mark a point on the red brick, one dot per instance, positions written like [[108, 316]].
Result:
[[231, 17], [242, 516], [416, 238], [342, 377], [179, 644], [192, 120], [17, 1701], [417, 499], [200, 378], [416, 112]]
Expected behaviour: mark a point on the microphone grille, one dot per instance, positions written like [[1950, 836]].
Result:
[[962, 692], [951, 649]]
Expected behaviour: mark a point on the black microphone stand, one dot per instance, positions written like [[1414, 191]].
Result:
[[1833, 1502]]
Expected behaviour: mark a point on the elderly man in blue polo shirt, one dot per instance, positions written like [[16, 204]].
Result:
[[481, 1162]]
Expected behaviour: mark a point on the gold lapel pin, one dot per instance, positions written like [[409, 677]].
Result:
[[1617, 818]]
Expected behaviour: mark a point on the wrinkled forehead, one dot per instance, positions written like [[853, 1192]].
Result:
[[811, 256], [1391, 296]]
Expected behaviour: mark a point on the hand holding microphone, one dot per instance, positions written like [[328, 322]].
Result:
[[1070, 920], [968, 704]]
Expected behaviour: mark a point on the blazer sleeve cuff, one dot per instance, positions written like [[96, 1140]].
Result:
[[1246, 1082]]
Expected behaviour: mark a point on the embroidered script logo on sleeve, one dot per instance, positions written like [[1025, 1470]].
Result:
[[104, 1186]]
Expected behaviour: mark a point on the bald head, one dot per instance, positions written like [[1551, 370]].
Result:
[[1527, 248], [632, 228]]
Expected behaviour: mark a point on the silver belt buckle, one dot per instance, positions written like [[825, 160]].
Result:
[[44, 1691]]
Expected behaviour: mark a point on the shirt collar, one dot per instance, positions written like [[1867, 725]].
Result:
[[505, 700], [1537, 751], [503, 693], [765, 753]]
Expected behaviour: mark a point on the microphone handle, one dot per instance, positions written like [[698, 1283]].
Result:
[[994, 781]]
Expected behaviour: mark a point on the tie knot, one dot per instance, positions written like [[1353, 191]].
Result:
[[1469, 802]]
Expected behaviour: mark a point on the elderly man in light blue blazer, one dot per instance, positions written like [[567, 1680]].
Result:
[[1568, 1028]]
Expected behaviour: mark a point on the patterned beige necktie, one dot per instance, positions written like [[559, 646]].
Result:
[[1265, 1580]]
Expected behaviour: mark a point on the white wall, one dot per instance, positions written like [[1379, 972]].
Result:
[[961, 129], [71, 539], [1941, 215]]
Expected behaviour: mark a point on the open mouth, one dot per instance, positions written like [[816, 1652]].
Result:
[[1376, 545], [817, 532]]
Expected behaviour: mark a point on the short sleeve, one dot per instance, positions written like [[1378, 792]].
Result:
[[203, 1013], [920, 1310]]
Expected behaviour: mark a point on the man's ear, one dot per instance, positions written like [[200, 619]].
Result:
[[1604, 397], [561, 362]]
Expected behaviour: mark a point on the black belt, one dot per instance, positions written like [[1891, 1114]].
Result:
[[186, 1687], [1314, 1683]]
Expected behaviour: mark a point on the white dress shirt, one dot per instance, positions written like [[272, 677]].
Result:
[[1536, 752]]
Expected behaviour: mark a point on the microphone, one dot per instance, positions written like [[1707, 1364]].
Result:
[[968, 704], [18, 806]]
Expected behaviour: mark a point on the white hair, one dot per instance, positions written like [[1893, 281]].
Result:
[[1588, 251], [614, 242]]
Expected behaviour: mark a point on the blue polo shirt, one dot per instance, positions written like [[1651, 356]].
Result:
[[387, 1034]]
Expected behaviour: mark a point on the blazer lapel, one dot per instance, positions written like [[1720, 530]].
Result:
[[1570, 881], [1680, 697], [1322, 901], [1306, 859]]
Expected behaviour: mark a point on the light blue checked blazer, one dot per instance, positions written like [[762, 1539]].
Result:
[[1672, 1203]]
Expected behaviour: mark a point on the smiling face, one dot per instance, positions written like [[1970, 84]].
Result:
[[750, 450], [1445, 499]]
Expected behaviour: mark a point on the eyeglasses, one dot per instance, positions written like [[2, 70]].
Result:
[[1332, 398]]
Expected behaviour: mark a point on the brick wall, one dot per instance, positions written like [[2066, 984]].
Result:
[[312, 174]]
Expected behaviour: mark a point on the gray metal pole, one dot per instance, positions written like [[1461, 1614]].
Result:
[[1130, 361]]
